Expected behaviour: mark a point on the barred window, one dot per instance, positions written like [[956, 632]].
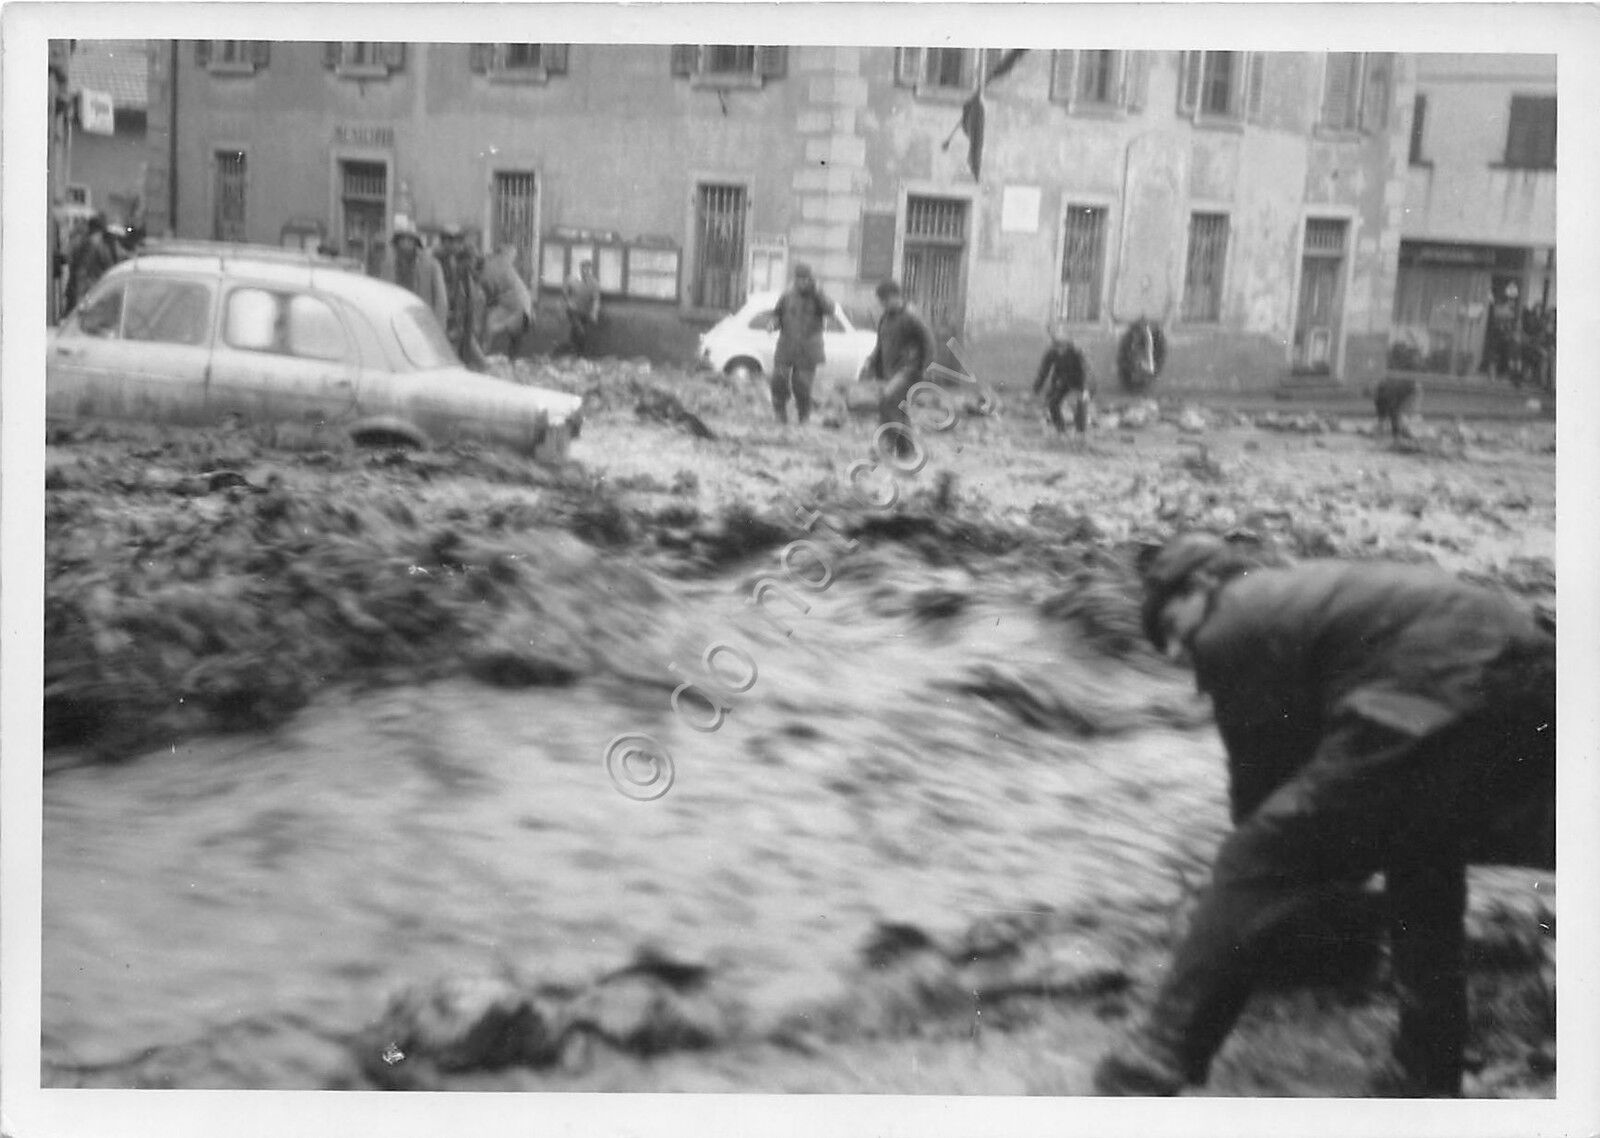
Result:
[[1082, 263], [1202, 277]]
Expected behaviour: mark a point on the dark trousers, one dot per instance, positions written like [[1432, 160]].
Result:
[[1058, 394], [580, 328], [889, 409], [798, 379], [1374, 800]]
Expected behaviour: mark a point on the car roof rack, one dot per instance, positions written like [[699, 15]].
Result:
[[230, 250]]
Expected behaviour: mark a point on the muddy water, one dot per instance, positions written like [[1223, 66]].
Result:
[[916, 751]]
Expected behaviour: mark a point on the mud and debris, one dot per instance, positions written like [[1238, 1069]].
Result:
[[329, 721]]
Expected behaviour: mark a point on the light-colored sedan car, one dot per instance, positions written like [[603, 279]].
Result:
[[742, 344], [197, 333]]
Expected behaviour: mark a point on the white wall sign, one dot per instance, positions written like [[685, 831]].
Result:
[[1019, 209], [97, 114]]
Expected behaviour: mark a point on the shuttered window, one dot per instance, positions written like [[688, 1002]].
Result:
[[364, 59], [1531, 136], [1099, 80], [1082, 263], [1355, 91], [1202, 277], [519, 61], [236, 56], [948, 69], [1221, 85], [739, 64], [1341, 90]]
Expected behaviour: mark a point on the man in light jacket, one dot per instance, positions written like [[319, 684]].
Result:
[[407, 264], [507, 300]]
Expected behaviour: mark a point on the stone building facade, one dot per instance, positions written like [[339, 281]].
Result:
[[1251, 202]]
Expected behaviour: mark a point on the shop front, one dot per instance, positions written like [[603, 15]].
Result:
[[1446, 296]]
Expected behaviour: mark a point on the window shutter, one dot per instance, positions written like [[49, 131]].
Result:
[[1419, 120], [1189, 82], [1531, 133], [907, 66], [1336, 92], [554, 56], [394, 56], [479, 56], [260, 54], [202, 53], [684, 58], [1256, 82], [1136, 79], [772, 62], [1375, 97], [1063, 67], [330, 54]]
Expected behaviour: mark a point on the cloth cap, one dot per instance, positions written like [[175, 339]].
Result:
[[405, 227], [452, 230], [1169, 571]]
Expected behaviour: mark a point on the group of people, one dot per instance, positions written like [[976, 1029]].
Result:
[[1520, 342], [903, 351], [482, 303], [1378, 719], [92, 247]]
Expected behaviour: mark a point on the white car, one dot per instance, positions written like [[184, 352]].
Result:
[[199, 332], [742, 344]]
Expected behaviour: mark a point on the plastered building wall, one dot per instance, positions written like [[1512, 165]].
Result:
[[1461, 191], [619, 142]]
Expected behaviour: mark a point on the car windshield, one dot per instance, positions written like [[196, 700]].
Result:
[[421, 338]]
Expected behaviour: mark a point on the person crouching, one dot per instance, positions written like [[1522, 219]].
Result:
[[1064, 374]]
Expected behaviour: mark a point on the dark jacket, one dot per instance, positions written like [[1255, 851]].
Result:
[[904, 345], [800, 318], [1062, 368], [1287, 653], [94, 254]]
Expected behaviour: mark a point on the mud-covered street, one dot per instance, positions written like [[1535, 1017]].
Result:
[[326, 801]]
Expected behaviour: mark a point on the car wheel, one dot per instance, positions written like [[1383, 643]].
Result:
[[742, 369]]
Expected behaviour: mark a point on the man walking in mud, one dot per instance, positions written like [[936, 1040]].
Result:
[[1378, 718], [903, 352], [799, 319]]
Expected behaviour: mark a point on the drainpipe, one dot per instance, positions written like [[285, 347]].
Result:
[[172, 141]]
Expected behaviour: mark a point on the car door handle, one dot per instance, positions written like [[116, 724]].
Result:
[[69, 353]]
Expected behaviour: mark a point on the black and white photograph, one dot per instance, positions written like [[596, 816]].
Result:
[[1001, 556]]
